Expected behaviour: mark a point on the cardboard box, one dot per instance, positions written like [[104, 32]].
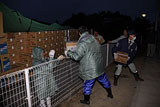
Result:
[[27, 36], [25, 49], [13, 68], [25, 65], [53, 36], [46, 53], [35, 35], [3, 39], [25, 58], [36, 42], [21, 36], [12, 41], [52, 39], [71, 45], [47, 34], [14, 58], [52, 47], [5, 62], [12, 49], [3, 45], [3, 48], [10, 35], [122, 57], [24, 62], [61, 34], [26, 43], [40, 42], [14, 61]]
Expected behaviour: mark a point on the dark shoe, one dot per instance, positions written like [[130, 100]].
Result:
[[116, 79], [86, 100], [137, 78], [109, 91]]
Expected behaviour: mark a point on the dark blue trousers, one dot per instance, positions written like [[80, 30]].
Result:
[[88, 84]]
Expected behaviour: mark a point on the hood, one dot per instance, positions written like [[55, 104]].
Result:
[[37, 53], [84, 37]]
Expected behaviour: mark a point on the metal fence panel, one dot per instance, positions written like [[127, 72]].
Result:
[[13, 90], [110, 56], [104, 53], [55, 79]]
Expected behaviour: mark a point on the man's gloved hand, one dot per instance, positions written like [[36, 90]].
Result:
[[115, 56], [65, 52], [51, 53], [66, 56], [61, 57]]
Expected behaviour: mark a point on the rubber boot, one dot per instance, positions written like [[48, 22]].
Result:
[[137, 78], [49, 102], [86, 100], [109, 91], [42, 103], [116, 79]]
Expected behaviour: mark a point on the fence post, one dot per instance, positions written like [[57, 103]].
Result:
[[71, 75], [107, 54], [28, 87], [68, 34]]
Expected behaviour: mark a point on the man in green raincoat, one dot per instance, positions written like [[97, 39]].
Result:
[[89, 54]]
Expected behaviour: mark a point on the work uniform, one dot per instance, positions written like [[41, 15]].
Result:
[[126, 46]]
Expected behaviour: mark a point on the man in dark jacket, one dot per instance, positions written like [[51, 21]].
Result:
[[126, 45], [88, 53]]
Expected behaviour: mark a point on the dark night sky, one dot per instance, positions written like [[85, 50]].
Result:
[[51, 10]]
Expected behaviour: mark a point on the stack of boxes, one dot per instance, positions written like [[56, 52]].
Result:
[[12, 45], [46, 43], [57, 42], [16, 48], [73, 34], [4, 56], [25, 44], [35, 39], [60, 45], [53, 40]]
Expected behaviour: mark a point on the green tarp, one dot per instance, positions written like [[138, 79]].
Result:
[[13, 21]]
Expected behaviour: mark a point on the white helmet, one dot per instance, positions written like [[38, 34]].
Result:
[[51, 53]]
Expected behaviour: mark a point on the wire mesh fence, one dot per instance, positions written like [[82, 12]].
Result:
[[48, 83], [13, 90], [109, 51], [53, 80], [56, 80], [105, 53]]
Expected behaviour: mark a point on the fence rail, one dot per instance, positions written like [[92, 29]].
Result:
[[55, 79]]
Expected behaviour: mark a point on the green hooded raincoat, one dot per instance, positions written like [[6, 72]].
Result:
[[44, 80], [89, 54]]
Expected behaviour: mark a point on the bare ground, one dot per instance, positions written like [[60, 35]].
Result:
[[123, 93]]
